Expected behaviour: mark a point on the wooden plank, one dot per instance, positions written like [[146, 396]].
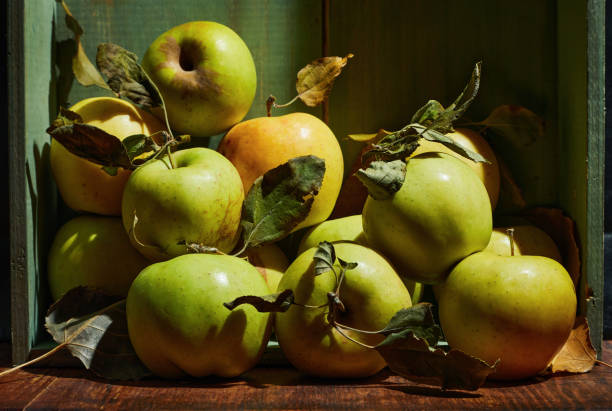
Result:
[[596, 122], [279, 42], [285, 388], [18, 236], [407, 52], [33, 197]]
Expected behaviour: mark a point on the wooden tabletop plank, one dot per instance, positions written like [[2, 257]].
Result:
[[286, 388]]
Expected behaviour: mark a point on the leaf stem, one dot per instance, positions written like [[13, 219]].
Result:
[[163, 106], [34, 360], [350, 338], [346, 327]]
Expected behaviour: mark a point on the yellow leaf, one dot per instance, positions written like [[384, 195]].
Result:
[[578, 354], [84, 70], [370, 137], [314, 82]]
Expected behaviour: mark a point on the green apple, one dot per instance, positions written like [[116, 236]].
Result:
[[270, 261], [199, 201], [371, 293], [177, 322], [206, 74], [92, 251], [517, 309], [340, 229], [440, 215], [348, 229], [527, 239]]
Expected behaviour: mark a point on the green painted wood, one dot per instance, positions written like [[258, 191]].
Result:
[[282, 36], [407, 52], [33, 195], [596, 124]]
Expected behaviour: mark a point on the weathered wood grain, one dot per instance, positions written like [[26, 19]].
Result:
[[285, 388]]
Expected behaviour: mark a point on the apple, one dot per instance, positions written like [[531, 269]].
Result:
[[261, 144], [92, 251], [527, 239], [348, 229], [177, 322], [83, 185], [472, 140], [340, 229], [353, 194], [519, 309], [440, 215], [206, 75], [371, 293], [270, 261], [199, 201]]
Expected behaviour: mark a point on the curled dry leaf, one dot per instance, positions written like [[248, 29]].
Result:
[[517, 125], [93, 326], [562, 230], [84, 70], [272, 303], [578, 354], [315, 81]]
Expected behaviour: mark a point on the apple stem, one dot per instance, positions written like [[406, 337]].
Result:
[[271, 102], [510, 232]]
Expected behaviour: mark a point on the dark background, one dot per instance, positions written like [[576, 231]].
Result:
[[5, 104]]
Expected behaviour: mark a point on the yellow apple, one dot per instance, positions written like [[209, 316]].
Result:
[[93, 251], [83, 185], [270, 261], [528, 240], [260, 144], [470, 139]]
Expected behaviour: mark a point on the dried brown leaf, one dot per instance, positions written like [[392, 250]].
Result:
[[314, 82], [578, 354], [562, 230], [84, 70]]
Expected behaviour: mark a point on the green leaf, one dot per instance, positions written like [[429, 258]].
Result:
[[427, 114], [83, 69], [279, 302], [417, 319], [431, 122], [280, 199], [383, 179], [444, 122], [347, 265], [435, 136], [413, 358], [93, 326], [111, 171], [324, 258], [138, 144], [126, 77]]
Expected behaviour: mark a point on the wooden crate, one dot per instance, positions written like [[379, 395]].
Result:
[[546, 55]]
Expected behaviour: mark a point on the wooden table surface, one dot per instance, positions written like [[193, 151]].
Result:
[[285, 388]]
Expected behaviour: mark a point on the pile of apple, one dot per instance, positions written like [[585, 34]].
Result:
[[499, 297]]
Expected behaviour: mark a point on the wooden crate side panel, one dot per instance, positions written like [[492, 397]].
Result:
[[33, 194], [595, 168], [407, 52], [282, 36]]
